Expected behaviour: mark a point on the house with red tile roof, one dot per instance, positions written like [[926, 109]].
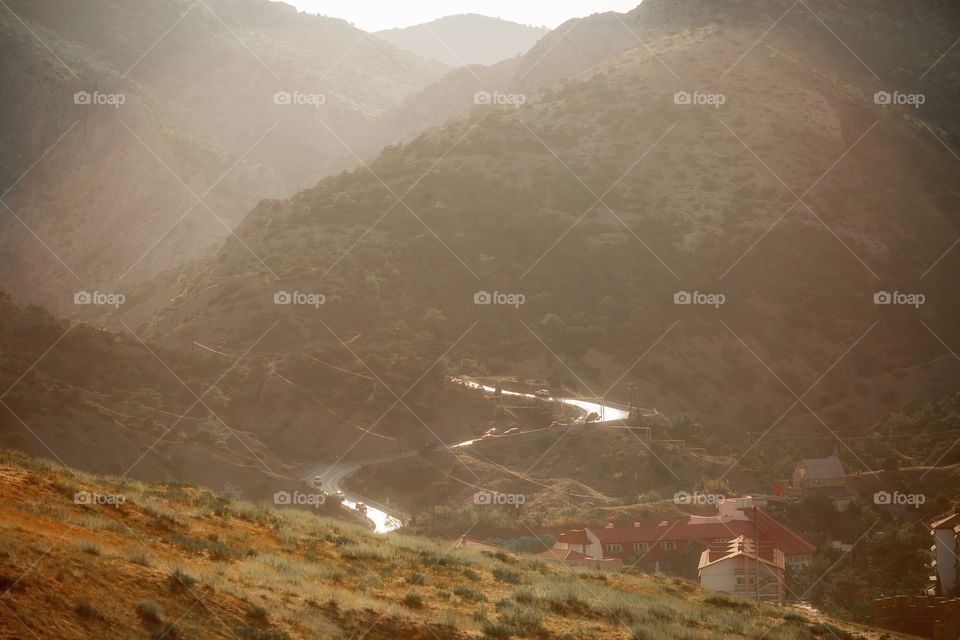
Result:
[[739, 568], [663, 541], [572, 558]]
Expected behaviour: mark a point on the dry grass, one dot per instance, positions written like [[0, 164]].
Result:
[[252, 571]]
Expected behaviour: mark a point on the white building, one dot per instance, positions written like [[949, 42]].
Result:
[[734, 567]]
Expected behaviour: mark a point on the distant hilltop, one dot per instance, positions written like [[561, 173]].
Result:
[[466, 39]]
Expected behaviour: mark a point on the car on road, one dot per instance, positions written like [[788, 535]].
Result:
[[557, 423], [542, 393], [580, 420], [339, 493], [362, 508], [317, 481], [511, 430], [593, 417]]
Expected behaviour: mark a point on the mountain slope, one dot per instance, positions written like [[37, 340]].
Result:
[[195, 137], [692, 200], [180, 561], [465, 39]]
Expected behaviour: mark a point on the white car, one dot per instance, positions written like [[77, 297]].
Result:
[[542, 393]]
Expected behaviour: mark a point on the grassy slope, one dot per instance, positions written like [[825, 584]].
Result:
[[71, 571]]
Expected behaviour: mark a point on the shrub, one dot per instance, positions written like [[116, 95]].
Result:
[[469, 594], [87, 611], [178, 581], [257, 614], [416, 578], [413, 600], [89, 546], [149, 610], [524, 622], [506, 575]]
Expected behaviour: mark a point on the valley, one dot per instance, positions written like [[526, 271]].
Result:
[[639, 325]]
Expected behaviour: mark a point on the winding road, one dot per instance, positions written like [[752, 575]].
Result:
[[333, 475]]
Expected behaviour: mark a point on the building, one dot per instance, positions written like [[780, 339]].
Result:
[[944, 531], [663, 541], [826, 477], [736, 567], [572, 558], [819, 473]]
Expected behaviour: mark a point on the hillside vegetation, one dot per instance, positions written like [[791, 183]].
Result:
[[691, 199], [177, 561]]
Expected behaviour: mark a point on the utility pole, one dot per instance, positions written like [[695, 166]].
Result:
[[756, 549]]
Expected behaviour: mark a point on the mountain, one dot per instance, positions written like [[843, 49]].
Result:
[[465, 39], [601, 199], [95, 556], [136, 135]]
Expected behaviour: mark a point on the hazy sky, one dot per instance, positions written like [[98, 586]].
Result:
[[374, 15]]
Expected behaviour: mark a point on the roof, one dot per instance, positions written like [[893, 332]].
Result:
[[563, 555], [768, 527], [821, 468], [946, 522], [574, 536], [741, 546]]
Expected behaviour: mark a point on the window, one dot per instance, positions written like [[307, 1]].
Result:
[[615, 548], [642, 547], [668, 545]]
